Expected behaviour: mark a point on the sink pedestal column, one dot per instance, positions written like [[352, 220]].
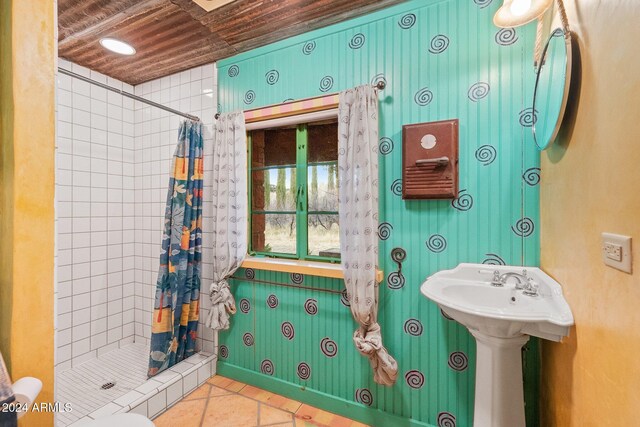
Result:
[[499, 390]]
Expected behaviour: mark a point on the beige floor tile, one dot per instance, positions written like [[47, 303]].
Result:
[[269, 415], [324, 417], [182, 414], [306, 412], [223, 402], [217, 391], [284, 403], [338, 421], [201, 392], [226, 383], [318, 417], [256, 393], [230, 411]]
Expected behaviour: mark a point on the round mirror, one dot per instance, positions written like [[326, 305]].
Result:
[[552, 88]]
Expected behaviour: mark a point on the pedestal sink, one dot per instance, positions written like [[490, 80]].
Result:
[[501, 318]]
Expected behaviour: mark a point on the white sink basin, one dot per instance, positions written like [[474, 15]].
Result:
[[465, 294], [501, 318]]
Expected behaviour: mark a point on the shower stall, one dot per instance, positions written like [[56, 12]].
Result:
[[113, 157]]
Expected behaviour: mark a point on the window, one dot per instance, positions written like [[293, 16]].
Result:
[[294, 192]]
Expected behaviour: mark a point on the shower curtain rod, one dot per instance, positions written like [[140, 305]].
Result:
[[380, 85], [127, 94]]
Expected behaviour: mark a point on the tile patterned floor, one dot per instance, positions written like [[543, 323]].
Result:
[[81, 385], [223, 402]]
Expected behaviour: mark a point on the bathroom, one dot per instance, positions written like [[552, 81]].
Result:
[[456, 252]]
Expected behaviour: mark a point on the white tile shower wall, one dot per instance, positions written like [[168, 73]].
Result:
[[193, 91], [95, 217]]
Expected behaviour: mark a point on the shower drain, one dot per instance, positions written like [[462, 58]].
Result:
[[108, 385]]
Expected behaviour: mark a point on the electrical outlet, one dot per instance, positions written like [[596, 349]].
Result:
[[616, 251], [613, 251]]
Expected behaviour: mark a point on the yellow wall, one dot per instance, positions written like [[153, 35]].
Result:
[[591, 184], [27, 82]]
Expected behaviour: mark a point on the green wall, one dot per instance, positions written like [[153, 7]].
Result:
[[441, 60]]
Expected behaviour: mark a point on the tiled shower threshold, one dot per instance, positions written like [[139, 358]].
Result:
[[126, 368]]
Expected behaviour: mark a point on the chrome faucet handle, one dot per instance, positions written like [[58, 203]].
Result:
[[496, 281], [531, 288]]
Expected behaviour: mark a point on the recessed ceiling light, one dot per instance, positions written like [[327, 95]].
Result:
[[117, 46]]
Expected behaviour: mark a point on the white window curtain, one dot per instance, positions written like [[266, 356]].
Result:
[[358, 210], [229, 225]]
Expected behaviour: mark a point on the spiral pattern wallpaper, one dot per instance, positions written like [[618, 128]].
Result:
[[434, 70], [445, 419], [395, 280], [223, 351], [493, 259], [438, 44], [423, 97], [266, 367], [486, 154], [384, 230], [407, 21], [364, 396], [287, 330], [304, 371], [396, 187], [245, 305], [413, 327], [458, 361], [463, 202], [532, 176], [478, 91], [328, 347], [436, 243], [311, 306], [308, 47], [326, 83], [528, 117], [272, 301], [272, 77], [385, 146], [357, 41], [344, 298], [414, 379]]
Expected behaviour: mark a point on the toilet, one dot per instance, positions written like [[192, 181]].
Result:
[[120, 420]]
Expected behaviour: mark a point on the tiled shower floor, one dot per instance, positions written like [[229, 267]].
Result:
[[81, 386]]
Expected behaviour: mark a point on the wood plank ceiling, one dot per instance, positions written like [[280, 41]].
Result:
[[175, 35]]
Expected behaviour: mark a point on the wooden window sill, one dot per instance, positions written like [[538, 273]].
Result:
[[311, 268]]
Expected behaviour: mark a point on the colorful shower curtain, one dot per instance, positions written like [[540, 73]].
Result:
[[176, 308]]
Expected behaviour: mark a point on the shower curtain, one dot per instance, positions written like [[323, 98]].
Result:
[[358, 210], [175, 315]]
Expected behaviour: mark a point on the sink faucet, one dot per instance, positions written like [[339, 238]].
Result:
[[523, 282]]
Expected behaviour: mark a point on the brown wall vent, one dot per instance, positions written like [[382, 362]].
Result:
[[430, 160]]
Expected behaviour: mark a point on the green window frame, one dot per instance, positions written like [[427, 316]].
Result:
[[302, 203]]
